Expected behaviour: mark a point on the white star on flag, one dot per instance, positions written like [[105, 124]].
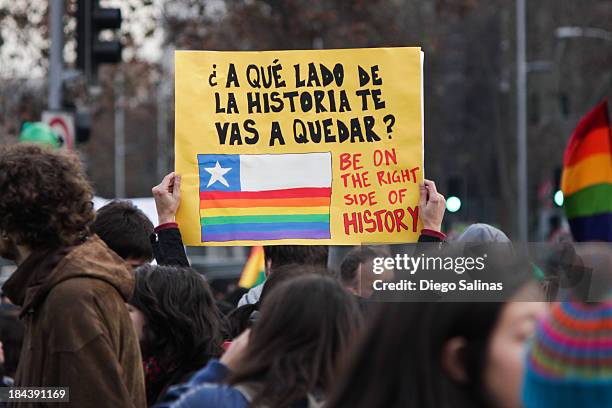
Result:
[[216, 174]]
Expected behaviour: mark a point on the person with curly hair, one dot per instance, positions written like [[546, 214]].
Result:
[[178, 324], [70, 286]]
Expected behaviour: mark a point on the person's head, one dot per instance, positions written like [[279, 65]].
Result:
[[356, 269], [175, 316], [440, 355], [245, 316], [126, 230], [279, 255], [288, 272], [483, 233], [46, 200], [569, 364], [305, 324]]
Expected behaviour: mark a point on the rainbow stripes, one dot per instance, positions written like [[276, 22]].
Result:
[[570, 361], [587, 177], [576, 341], [254, 271], [265, 197]]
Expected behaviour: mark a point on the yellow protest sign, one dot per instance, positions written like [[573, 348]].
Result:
[[299, 147]]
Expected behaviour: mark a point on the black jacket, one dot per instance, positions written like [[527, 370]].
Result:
[[168, 246]]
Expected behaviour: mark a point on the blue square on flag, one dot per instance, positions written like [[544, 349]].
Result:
[[219, 172]]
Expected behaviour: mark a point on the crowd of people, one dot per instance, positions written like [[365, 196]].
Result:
[[89, 310]]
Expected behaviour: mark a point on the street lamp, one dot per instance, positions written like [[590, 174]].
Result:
[[521, 125]]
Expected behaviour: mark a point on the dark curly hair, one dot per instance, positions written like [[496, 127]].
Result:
[[183, 326], [46, 197]]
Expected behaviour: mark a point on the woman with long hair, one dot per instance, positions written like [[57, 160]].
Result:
[[243, 317], [178, 324], [433, 355], [288, 358]]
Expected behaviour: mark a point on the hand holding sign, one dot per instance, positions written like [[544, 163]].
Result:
[[431, 206], [167, 196]]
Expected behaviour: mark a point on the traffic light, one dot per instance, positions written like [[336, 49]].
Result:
[[558, 198], [454, 194], [91, 51], [83, 126]]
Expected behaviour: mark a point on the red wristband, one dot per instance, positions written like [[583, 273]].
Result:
[[166, 225], [432, 233]]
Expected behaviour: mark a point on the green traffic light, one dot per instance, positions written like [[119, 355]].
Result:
[[559, 198], [453, 204]]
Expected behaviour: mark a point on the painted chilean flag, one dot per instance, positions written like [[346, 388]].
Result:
[[264, 196]]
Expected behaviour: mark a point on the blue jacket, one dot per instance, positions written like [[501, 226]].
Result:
[[203, 390]]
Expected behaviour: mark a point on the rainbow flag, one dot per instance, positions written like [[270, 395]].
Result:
[[254, 271], [587, 177], [256, 197]]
